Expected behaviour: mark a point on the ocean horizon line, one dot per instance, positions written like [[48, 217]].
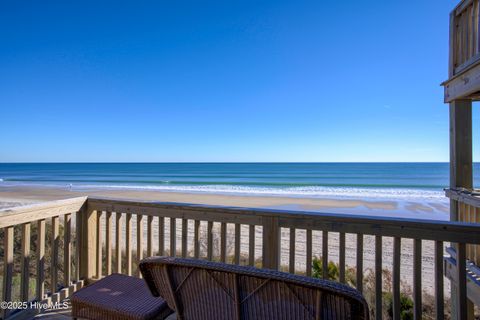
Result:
[[221, 162]]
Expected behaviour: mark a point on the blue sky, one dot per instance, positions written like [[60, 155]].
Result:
[[224, 81]]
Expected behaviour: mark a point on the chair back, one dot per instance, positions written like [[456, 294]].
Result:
[[199, 289]]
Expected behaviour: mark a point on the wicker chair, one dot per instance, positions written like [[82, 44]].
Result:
[[198, 289]]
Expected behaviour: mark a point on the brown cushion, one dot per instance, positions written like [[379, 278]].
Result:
[[118, 297]]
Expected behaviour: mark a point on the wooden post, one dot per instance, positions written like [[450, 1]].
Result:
[[460, 171], [88, 252], [271, 243], [460, 145]]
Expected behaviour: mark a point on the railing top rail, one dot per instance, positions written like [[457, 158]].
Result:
[[465, 196], [384, 226], [28, 213]]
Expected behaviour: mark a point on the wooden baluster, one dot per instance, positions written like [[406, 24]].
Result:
[[108, 241], [25, 262], [150, 236], [458, 52], [471, 32], [118, 242], [325, 254], [417, 279], [462, 308], [378, 277], [139, 243], [461, 39], [161, 236], [464, 42], [196, 239], [469, 219], [251, 245], [359, 277], [475, 28], [210, 240], [128, 242], [223, 242], [237, 242], [477, 247], [396, 277], [78, 242], [55, 249], [467, 35], [453, 46], [471, 247], [67, 250], [309, 252], [173, 237], [439, 303], [99, 245], [184, 238], [291, 263], [40, 260], [341, 258], [7, 267]]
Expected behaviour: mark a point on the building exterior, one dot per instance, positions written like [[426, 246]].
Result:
[[460, 90]]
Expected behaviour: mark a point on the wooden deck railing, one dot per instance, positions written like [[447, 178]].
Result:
[[464, 37], [109, 236], [468, 209], [17, 225]]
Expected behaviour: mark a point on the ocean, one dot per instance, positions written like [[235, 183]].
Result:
[[385, 181]]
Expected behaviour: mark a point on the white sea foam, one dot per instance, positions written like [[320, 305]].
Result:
[[400, 194], [302, 192]]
